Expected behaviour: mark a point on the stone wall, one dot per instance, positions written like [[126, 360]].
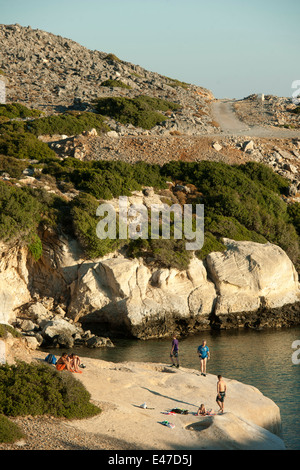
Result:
[[2, 91]]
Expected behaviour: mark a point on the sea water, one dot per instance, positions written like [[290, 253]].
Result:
[[261, 358]]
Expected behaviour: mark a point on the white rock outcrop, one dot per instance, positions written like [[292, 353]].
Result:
[[250, 421], [14, 281], [248, 275], [148, 301]]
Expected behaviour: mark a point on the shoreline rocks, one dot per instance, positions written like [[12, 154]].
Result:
[[250, 285]]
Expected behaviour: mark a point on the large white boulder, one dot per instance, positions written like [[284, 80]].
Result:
[[248, 275]]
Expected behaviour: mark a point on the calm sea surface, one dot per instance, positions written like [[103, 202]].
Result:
[[259, 358]]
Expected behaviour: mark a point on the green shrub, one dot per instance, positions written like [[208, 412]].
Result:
[[38, 389], [7, 329], [69, 124], [115, 84], [167, 253], [141, 111], [264, 175], [294, 214], [13, 166], [9, 431], [20, 213], [173, 82], [17, 110], [241, 202], [111, 58], [24, 145], [35, 247], [103, 179], [85, 221], [211, 243]]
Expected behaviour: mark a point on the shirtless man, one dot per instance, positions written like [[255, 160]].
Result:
[[221, 393]]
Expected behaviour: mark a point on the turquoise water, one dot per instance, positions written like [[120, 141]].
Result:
[[259, 358]]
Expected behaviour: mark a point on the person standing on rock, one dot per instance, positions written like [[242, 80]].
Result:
[[221, 393], [174, 351], [204, 355]]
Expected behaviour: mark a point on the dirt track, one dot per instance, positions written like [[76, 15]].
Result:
[[223, 112]]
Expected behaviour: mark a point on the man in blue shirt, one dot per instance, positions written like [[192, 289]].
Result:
[[204, 355]]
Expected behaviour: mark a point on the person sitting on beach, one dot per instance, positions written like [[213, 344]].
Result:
[[74, 362], [64, 363], [201, 410]]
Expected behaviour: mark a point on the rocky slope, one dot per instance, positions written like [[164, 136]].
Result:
[[240, 287], [52, 73]]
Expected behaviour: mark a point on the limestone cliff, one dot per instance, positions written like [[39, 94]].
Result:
[[127, 295]]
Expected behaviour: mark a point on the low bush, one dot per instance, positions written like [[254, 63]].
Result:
[[83, 213], [115, 84], [20, 213], [104, 179], [9, 431], [5, 330], [38, 389], [24, 145], [111, 58], [13, 166], [69, 124], [142, 111], [17, 110], [240, 202]]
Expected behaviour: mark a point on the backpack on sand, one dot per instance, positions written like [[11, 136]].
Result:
[[51, 359]]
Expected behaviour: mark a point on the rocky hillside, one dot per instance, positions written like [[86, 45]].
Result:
[[271, 111], [81, 127], [52, 73]]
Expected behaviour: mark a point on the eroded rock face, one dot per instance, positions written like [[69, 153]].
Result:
[[146, 302], [13, 281], [122, 291], [245, 278]]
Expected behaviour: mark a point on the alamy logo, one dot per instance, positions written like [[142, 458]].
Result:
[[296, 354], [163, 221]]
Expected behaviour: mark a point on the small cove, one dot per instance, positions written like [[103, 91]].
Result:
[[261, 358]]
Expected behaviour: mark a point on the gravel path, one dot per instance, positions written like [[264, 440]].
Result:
[[48, 433], [224, 113]]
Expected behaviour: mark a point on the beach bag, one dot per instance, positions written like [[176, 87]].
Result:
[[51, 359], [179, 411]]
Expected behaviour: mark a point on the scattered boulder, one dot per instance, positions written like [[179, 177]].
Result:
[[217, 146], [99, 342], [249, 145]]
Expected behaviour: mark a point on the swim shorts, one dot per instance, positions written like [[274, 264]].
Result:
[[220, 397]]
